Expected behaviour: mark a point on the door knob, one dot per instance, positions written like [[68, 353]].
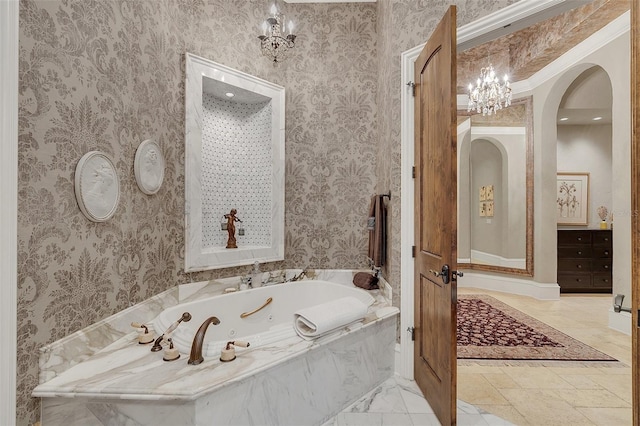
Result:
[[444, 274]]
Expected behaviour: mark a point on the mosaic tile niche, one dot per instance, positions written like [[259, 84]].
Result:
[[234, 154], [236, 170]]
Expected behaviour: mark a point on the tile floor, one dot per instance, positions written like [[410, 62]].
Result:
[[522, 393]]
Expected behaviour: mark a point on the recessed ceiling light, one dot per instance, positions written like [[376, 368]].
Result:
[[597, 118], [564, 118], [229, 95]]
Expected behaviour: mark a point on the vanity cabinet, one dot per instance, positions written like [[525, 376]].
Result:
[[585, 261]]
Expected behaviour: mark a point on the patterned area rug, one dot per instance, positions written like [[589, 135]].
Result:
[[490, 329]]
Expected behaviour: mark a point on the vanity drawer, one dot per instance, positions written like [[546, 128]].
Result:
[[602, 265], [574, 281], [574, 252], [602, 252], [574, 265], [602, 281], [602, 238], [570, 238]]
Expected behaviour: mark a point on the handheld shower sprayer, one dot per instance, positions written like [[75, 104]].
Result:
[[157, 346]]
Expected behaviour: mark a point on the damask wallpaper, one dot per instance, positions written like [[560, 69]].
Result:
[[108, 74]]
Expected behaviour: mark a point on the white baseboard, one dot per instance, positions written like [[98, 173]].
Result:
[[620, 321], [542, 291]]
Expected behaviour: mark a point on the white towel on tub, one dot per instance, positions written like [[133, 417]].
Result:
[[315, 321]]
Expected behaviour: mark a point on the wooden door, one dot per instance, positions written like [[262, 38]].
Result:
[[435, 219]]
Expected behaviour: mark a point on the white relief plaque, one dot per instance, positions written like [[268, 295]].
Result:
[[148, 167], [97, 186]]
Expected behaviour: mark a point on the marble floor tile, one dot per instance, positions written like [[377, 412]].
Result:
[[580, 381], [500, 380], [476, 389], [385, 398], [558, 394], [506, 412], [536, 378], [585, 398], [471, 420], [424, 420], [544, 407], [619, 385], [608, 416]]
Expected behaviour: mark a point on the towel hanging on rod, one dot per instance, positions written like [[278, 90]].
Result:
[[377, 227]]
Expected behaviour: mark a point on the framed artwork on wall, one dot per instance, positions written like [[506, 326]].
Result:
[[572, 202], [489, 192]]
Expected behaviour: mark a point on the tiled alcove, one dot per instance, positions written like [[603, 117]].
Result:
[[236, 169], [234, 159]]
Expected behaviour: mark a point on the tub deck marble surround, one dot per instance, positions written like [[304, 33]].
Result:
[[125, 381], [62, 354]]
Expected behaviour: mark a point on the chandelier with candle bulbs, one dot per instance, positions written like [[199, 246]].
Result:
[[276, 40], [489, 95]]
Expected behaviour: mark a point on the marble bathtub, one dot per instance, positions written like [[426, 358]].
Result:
[[290, 381], [271, 323]]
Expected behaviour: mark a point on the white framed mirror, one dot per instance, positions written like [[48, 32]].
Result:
[[234, 159]]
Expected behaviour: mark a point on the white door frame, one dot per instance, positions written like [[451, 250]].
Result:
[[9, 212], [525, 13]]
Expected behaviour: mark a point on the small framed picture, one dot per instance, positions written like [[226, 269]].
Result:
[[489, 209], [572, 202], [489, 192], [483, 209], [483, 193]]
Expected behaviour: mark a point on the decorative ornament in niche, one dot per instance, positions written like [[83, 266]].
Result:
[[148, 167], [97, 186]]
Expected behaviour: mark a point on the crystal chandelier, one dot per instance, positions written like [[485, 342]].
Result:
[[276, 41], [489, 95]]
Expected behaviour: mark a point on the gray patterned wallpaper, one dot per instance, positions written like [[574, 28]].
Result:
[[108, 74]]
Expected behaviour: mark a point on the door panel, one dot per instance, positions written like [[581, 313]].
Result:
[[436, 219], [635, 207]]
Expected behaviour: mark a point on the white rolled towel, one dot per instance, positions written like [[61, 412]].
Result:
[[315, 321]]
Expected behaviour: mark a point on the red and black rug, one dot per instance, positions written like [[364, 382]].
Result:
[[490, 329]]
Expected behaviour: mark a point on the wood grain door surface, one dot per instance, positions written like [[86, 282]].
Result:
[[436, 217]]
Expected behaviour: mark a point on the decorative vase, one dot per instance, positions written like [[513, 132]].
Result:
[[603, 225]]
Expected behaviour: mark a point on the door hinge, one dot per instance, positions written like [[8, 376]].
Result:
[[412, 330], [413, 88], [413, 251], [413, 172]]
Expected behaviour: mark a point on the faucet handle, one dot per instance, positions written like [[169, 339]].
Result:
[[144, 335], [228, 353]]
